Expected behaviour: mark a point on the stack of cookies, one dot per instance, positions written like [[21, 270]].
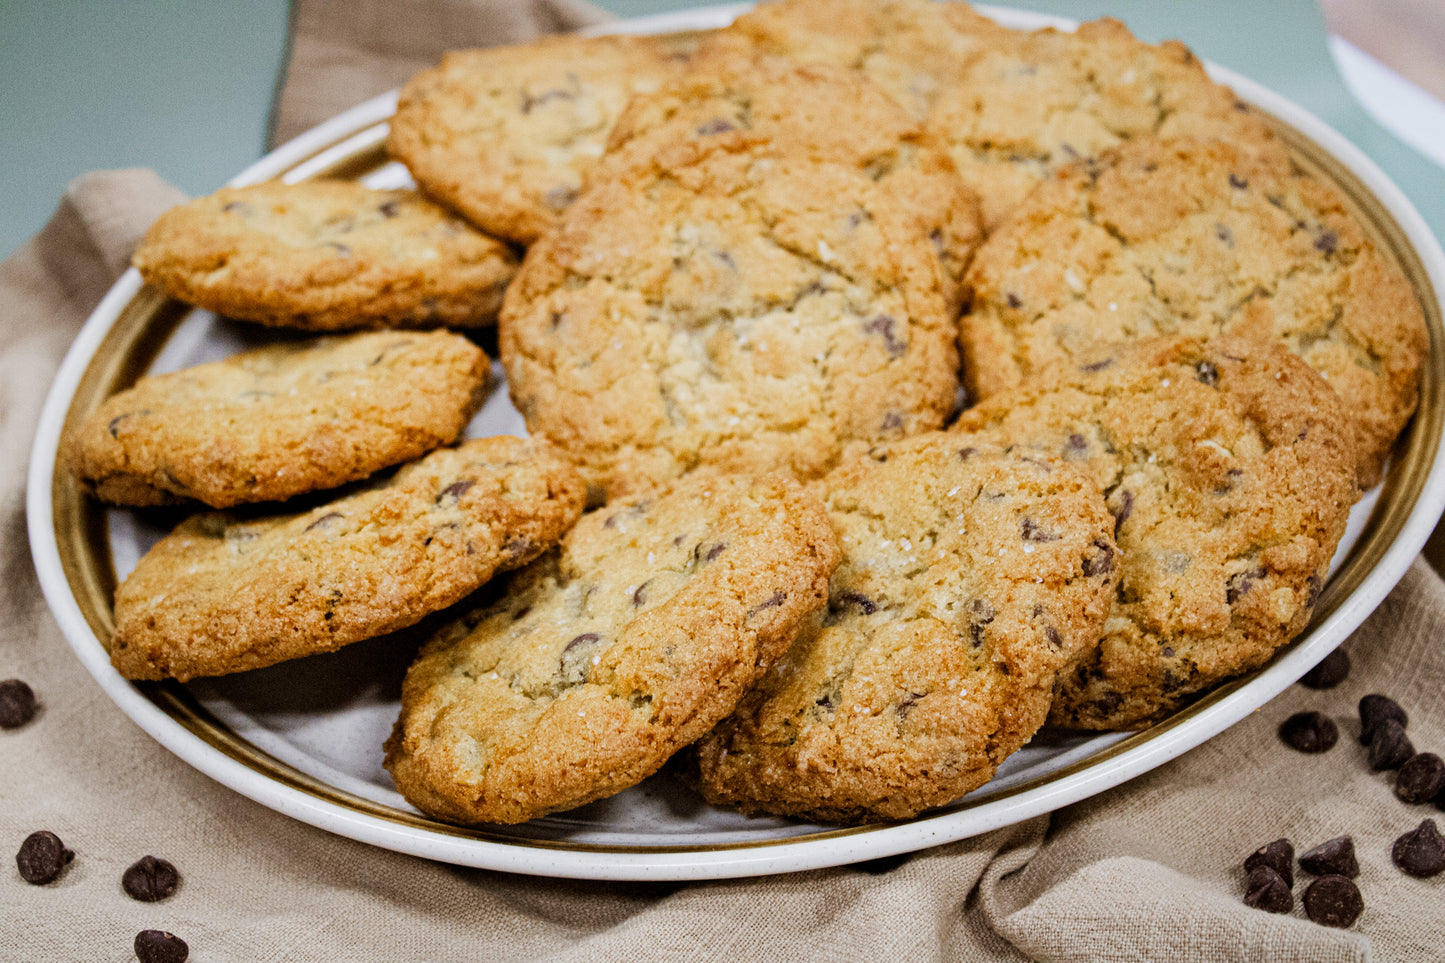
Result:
[[897, 383]]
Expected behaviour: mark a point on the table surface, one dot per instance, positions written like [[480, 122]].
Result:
[[186, 88]]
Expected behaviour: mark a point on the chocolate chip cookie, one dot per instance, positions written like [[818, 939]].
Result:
[[970, 576], [504, 135], [226, 593], [1031, 103], [281, 420], [739, 308], [1199, 238], [1229, 469], [327, 256], [603, 658]]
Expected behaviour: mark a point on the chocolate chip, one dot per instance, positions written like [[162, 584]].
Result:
[[456, 489], [1097, 366], [389, 208], [1278, 856], [883, 326], [157, 946], [1389, 746], [1374, 709], [1240, 584], [517, 546], [1031, 532], [717, 125], [42, 857], [981, 614], [1309, 732], [863, 603], [1108, 703], [892, 421], [906, 704], [150, 880], [17, 704], [1332, 856], [1421, 851], [771, 602], [1329, 672], [1224, 234], [559, 198], [1237, 182], [1267, 890], [586, 638], [715, 551], [1014, 301], [322, 521], [1126, 508], [1327, 241], [1102, 562], [113, 426], [1333, 900], [964, 454], [1421, 778], [639, 595], [1207, 373]]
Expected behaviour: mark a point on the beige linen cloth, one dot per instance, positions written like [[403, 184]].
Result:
[[1148, 871]]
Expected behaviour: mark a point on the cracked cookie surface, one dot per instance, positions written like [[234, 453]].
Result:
[[327, 256], [1200, 238], [970, 576], [739, 309], [225, 593], [281, 420], [1031, 103], [1229, 469], [504, 135], [603, 658]]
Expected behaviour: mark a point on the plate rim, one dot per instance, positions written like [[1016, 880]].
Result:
[[765, 857]]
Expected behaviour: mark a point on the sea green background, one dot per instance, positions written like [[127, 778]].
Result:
[[185, 86]]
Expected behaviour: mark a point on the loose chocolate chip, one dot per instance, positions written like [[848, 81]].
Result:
[[150, 880], [157, 946], [1421, 851], [1329, 672], [42, 857], [17, 704], [717, 125], [1309, 732], [1327, 242], [1333, 900], [1207, 373], [1389, 746], [1332, 856], [1237, 182], [1421, 778], [1267, 890], [1374, 709], [1278, 856]]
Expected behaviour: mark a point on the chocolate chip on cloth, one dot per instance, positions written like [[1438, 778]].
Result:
[[1309, 732], [606, 656], [226, 593], [1375, 709], [1229, 471], [1333, 900], [1421, 851], [1390, 748], [1332, 856], [17, 704], [158, 946], [1328, 672], [42, 857], [1266, 889], [150, 880], [1278, 856], [1421, 778]]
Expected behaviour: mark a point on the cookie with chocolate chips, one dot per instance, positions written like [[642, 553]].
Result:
[[327, 256], [1230, 471], [279, 421], [225, 593], [1199, 238], [1031, 103], [740, 308], [970, 576], [504, 135], [603, 658]]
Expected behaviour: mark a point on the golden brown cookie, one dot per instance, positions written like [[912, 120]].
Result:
[[281, 420], [504, 135], [970, 576], [327, 256], [225, 593], [602, 659], [1199, 238], [739, 309], [1229, 469]]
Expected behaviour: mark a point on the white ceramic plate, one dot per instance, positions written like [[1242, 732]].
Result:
[[305, 737]]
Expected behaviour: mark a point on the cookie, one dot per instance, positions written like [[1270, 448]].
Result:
[[326, 256], [1229, 469], [504, 135], [281, 420], [970, 576], [817, 112], [737, 309], [1037, 101], [602, 659], [912, 49], [225, 593], [1199, 238]]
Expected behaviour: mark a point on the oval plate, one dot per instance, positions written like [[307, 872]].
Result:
[[317, 756]]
